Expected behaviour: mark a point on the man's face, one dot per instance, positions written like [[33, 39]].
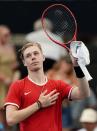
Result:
[[5, 35], [33, 58], [89, 126]]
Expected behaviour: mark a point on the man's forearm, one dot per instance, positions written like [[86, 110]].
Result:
[[81, 91], [84, 87], [17, 116]]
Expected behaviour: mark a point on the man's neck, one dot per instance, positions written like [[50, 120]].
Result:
[[37, 77]]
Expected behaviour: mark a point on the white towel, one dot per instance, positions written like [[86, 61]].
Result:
[[80, 51]]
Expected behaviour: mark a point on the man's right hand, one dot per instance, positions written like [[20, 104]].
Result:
[[49, 99]]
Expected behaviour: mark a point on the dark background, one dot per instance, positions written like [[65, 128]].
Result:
[[20, 15]]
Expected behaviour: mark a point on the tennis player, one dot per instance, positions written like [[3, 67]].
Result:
[[35, 101]]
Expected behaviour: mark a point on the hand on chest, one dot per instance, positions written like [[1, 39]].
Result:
[[32, 92]]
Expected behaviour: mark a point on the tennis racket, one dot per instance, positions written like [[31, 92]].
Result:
[[65, 27], [64, 24]]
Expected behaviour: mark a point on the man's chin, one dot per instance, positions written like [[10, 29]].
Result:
[[35, 69]]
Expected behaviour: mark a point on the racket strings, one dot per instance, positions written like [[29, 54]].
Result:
[[63, 23], [66, 24]]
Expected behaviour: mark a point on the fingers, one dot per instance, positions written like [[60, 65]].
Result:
[[52, 92], [49, 99], [54, 97], [44, 92], [52, 103]]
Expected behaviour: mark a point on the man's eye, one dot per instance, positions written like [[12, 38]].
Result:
[[28, 55], [36, 53]]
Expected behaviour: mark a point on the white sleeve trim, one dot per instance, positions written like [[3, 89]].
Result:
[[9, 103], [69, 94]]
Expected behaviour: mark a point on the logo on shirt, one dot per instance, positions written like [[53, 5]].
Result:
[[26, 93]]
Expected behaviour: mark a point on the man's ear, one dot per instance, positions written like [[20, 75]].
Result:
[[43, 58], [24, 63]]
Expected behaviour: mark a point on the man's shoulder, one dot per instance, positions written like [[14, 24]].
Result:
[[21, 80]]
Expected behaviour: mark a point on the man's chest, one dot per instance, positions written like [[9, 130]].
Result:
[[31, 93]]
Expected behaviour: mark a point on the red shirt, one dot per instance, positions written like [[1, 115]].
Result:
[[24, 92]]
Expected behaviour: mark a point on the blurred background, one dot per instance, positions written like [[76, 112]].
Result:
[[17, 21]]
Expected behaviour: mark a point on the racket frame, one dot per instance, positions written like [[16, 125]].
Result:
[[63, 44]]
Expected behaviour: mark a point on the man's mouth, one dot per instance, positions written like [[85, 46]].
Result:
[[34, 63]]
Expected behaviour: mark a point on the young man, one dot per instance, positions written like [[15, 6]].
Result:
[[35, 102]]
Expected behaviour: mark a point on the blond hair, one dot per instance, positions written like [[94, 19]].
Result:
[[25, 46]]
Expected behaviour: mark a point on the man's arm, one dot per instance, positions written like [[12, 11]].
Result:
[[78, 54], [81, 91], [14, 116]]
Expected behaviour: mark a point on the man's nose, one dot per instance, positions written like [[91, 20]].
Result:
[[33, 57]]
